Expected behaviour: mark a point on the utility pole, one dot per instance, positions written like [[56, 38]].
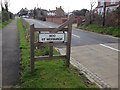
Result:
[[119, 14], [104, 13]]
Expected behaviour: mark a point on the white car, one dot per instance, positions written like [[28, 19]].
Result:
[[25, 16]]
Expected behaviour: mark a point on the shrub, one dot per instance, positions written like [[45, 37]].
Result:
[[6, 16], [111, 19]]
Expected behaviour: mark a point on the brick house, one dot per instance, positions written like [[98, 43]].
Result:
[[110, 6], [58, 12]]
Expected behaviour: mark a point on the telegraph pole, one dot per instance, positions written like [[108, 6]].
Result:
[[104, 13], [119, 14]]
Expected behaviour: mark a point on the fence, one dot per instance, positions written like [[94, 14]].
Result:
[[27, 27]]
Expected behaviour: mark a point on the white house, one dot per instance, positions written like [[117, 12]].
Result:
[[110, 6]]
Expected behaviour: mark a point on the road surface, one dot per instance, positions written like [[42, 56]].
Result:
[[98, 53]]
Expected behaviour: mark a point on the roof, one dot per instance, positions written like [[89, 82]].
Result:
[[52, 11]]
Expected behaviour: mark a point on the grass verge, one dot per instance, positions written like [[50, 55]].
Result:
[[114, 31], [48, 74], [3, 24]]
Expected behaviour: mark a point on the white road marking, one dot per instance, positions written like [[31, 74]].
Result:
[[43, 24], [110, 47], [50, 27], [76, 36]]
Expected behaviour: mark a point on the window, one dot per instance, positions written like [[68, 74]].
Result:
[[113, 1], [100, 11], [102, 2], [108, 10]]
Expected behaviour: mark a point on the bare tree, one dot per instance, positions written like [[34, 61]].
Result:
[[92, 4], [2, 8], [7, 3]]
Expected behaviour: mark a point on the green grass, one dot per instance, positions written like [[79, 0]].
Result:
[[3, 24], [114, 31], [48, 74]]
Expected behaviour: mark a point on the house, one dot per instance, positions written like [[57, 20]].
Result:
[[23, 12], [58, 12], [110, 6]]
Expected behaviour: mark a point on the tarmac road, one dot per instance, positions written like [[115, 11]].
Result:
[[79, 37]]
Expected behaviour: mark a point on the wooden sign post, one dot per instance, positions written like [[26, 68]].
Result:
[[52, 38], [32, 60], [68, 49]]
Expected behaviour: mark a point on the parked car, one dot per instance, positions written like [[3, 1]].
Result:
[[25, 16]]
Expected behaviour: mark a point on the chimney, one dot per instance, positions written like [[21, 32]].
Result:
[[60, 7], [56, 8]]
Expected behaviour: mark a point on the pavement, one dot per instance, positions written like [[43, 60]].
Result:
[[0, 58], [95, 54], [10, 55], [97, 60]]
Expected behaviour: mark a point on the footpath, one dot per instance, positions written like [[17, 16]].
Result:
[[10, 55], [0, 58]]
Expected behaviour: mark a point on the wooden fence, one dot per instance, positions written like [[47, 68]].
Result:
[[27, 27]]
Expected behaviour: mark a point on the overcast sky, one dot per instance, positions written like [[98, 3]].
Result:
[[67, 5]]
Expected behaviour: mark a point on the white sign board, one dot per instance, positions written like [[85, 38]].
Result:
[[51, 37]]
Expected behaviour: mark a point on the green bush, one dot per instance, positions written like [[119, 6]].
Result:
[[43, 50], [114, 31], [5, 16]]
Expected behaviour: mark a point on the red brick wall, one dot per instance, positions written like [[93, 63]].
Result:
[[56, 19], [62, 19]]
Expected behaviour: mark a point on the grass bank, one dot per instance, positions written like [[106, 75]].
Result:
[[114, 31], [3, 24], [48, 74]]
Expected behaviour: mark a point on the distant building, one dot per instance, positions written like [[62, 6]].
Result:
[[23, 12], [110, 6], [58, 12]]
